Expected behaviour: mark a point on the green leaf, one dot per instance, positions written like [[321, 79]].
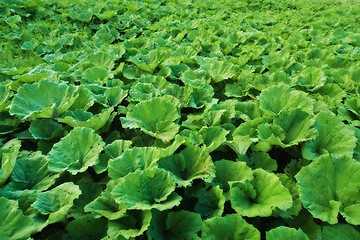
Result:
[[149, 61], [312, 78], [154, 117], [254, 198], [329, 186], [8, 155], [275, 99], [8, 123], [29, 45], [89, 191], [31, 172], [46, 129], [213, 137], [285, 233], [113, 150], [5, 94], [306, 222], [96, 74], [57, 201], [297, 125], [248, 110], [190, 164], [143, 91], [260, 160], [210, 203], [340, 232], [174, 225], [106, 206], [231, 227], [147, 189], [228, 172], [117, 147], [218, 70], [88, 226], [136, 158], [240, 144], [290, 128], [76, 151], [134, 224], [290, 184], [82, 118], [44, 99], [84, 100], [334, 138], [13, 224]]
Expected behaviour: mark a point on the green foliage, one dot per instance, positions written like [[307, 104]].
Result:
[[179, 119]]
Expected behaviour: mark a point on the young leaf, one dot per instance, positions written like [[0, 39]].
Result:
[[76, 151]]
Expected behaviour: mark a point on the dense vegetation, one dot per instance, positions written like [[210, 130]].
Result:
[[179, 119]]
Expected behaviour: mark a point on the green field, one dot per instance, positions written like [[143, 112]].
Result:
[[169, 119]]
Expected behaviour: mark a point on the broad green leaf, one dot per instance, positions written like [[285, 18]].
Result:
[[76, 151], [136, 158], [329, 186], [13, 224], [44, 99], [240, 144], [82, 118], [228, 172], [88, 226], [8, 123], [253, 198], [260, 160], [104, 59], [148, 62], [276, 59], [174, 225], [213, 137], [143, 91], [8, 155], [350, 111], [284, 233], [147, 189], [290, 128], [154, 117], [170, 149], [29, 45], [113, 150], [218, 70], [134, 224], [32, 173], [210, 203], [290, 184], [106, 206], [231, 227], [84, 100], [297, 125], [46, 129], [340, 232], [306, 222], [56, 202], [117, 147], [190, 164], [5, 94], [248, 110], [312, 79], [115, 95], [334, 138], [89, 191], [276, 99], [96, 74]]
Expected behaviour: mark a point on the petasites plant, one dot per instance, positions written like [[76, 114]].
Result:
[[124, 120]]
